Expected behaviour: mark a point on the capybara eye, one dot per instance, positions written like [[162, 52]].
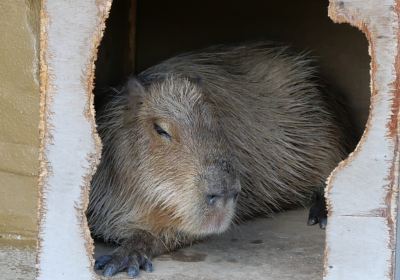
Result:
[[161, 131]]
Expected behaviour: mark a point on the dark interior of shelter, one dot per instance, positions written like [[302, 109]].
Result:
[[142, 33], [139, 35]]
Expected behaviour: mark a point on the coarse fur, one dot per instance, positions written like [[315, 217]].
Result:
[[253, 115]]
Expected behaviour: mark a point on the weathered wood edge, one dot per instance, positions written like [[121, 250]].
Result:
[[353, 250], [49, 128]]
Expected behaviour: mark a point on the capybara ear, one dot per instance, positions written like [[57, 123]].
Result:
[[136, 93]]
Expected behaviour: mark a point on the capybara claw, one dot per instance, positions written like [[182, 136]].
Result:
[[318, 213], [112, 264], [102, 261]]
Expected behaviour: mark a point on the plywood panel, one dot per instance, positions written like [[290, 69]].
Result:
[[362, 192], [70, 148]]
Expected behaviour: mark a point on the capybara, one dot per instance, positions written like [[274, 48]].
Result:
[[207, 138]]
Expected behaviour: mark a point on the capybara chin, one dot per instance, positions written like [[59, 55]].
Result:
[[205, 138]]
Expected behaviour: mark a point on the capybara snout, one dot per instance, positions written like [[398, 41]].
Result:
[[193, 146], [222, 184], [177, 155]]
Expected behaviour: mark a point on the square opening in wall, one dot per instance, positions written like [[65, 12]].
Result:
[[220, 123]]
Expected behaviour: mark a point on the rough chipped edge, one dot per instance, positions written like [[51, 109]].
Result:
[[393, 127], [392, 193], [104, 7], [44, 133], [45, 126], [340, 18]]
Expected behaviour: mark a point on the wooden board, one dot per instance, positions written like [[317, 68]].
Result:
[[362, 191], [70, 34]]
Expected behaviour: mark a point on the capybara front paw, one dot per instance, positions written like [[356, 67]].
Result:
[[131, 263], [318, 213]]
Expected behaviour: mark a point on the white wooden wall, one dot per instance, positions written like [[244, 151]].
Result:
[[362, 191], [70, 33]]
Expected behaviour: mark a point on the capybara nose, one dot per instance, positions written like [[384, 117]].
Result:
[[213, 198]]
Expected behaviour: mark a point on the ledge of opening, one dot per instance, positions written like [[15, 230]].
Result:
[[70, 147], [362, 190]]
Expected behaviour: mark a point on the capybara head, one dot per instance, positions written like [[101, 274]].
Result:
[[184, 170]]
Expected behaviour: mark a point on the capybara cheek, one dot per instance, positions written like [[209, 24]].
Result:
[[159, 219]]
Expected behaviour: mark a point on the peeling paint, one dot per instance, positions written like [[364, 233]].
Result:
[[104, 8], [70, 149], [43, 133]]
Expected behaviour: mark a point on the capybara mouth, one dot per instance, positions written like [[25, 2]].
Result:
[[217, 221], [218, 224]]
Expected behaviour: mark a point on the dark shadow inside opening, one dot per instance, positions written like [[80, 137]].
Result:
[[139, 35]]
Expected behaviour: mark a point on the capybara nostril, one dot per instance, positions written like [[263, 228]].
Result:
[[235, 195], [212, 198]]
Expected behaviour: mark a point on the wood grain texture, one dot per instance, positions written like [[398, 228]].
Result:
[[362, 191], [70, 148]]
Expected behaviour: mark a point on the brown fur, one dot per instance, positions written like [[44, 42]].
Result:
[[250, 117]]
